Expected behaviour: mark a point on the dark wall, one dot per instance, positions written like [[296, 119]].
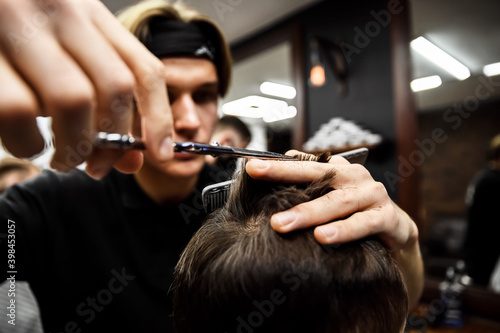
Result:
[[369, 97]]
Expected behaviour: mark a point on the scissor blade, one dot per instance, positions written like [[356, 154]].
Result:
[[249, 153], [204, 149], [201, 149]]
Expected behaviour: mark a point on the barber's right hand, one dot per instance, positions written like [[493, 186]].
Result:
[[73, 61]]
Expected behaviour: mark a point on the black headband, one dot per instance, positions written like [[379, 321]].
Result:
[[175, 38]]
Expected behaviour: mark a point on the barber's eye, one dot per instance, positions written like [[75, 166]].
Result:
[[202, 97]]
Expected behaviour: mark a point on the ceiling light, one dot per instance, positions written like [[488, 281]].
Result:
[[254, 106], [492, 69], [425, 83], [440, 58], [278, 90]]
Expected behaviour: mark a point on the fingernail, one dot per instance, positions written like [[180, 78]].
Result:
[[285, 218], [166, 148], [259, 164], [328, 232]]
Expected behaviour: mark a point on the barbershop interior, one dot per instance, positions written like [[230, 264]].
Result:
[[417, 83]]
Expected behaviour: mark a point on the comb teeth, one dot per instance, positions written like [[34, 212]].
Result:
[[215, 196]]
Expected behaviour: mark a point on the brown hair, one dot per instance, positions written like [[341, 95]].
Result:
[[238, 275], [136, 19]]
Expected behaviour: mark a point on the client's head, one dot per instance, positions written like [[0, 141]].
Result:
[[238, 275]]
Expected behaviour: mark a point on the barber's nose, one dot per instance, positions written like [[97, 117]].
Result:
[[185, 114]]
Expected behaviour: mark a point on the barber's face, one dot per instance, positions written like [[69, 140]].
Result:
[[192, 86]]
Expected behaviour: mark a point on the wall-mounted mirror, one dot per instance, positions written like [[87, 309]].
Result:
[[457, 119]]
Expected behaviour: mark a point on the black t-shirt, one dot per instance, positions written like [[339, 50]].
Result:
[[99, 255]]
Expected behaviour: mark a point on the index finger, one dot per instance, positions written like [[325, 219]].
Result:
[[150, 92], [301, 171], [286, 171]]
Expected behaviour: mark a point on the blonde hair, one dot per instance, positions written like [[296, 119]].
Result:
[[136, 19]]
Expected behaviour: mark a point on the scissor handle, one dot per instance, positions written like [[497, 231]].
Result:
[[117, 141]]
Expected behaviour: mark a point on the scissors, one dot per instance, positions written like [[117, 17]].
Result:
[[123, 141]]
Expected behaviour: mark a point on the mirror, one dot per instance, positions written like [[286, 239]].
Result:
[[465, 113]]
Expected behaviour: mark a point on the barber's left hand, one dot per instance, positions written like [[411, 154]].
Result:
[[358, 207]]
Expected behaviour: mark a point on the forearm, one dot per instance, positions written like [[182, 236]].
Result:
[[410, 261]]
